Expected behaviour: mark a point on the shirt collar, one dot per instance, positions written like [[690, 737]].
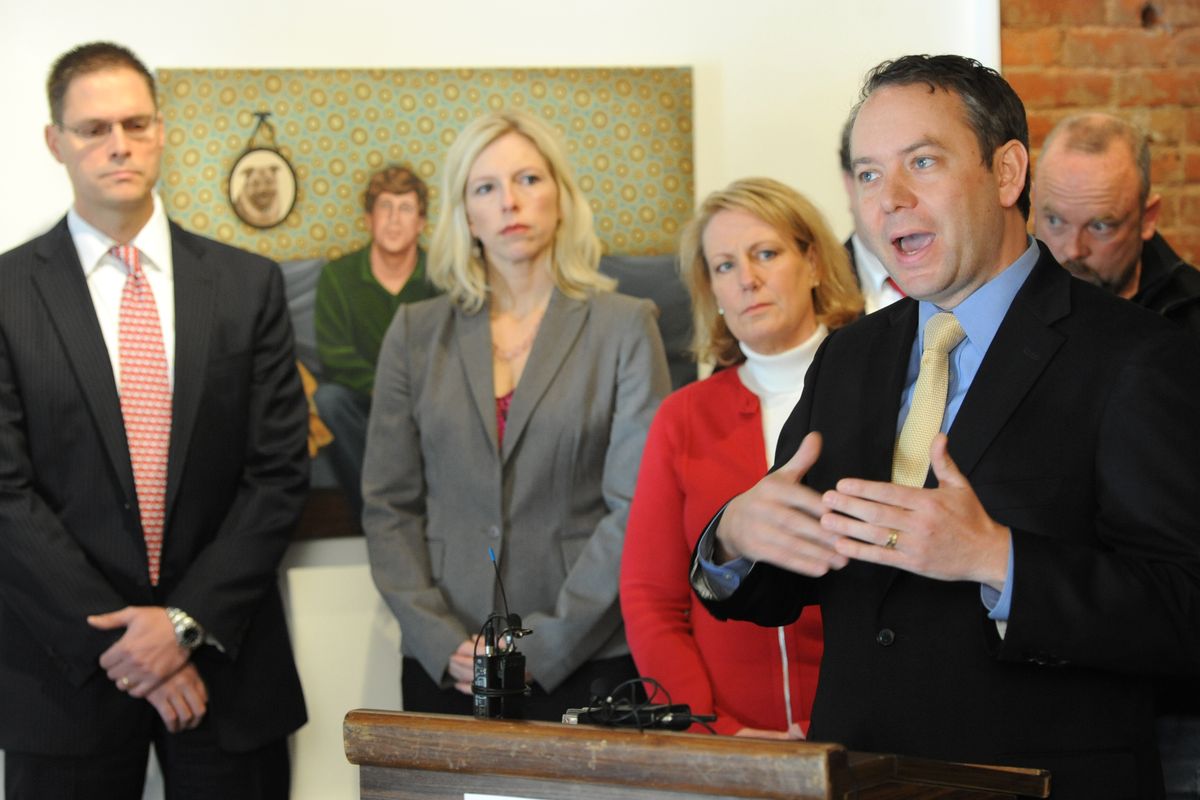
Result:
[[982, 312], [153, 241]]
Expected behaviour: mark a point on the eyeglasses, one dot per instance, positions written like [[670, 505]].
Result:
[[139, 127]]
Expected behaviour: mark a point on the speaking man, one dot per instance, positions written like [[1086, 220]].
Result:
[[1002, 595]]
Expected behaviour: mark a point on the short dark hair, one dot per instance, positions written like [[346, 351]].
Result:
[[993, 109], [87, 58], [844, 146], [395, 179]]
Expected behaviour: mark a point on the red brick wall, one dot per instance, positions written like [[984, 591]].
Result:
[[1136, 58]]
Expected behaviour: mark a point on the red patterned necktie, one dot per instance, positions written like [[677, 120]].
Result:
[[145, 401]]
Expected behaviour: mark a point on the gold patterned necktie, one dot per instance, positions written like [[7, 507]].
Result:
[[145, 401], [910, 460]]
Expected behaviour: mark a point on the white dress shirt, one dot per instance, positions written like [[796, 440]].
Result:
[[877, 290], [105, 274]]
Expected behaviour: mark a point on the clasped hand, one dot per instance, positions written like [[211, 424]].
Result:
[[461, 666], [942, 533], [147, 662]]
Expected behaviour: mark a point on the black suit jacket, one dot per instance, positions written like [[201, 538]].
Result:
[[70, 535], [1080, 433]]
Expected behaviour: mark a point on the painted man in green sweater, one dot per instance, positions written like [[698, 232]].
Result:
[[357, 296]]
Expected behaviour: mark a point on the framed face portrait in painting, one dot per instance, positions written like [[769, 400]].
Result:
[[262, 187]]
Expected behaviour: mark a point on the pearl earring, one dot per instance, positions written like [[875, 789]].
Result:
[[720, 311]]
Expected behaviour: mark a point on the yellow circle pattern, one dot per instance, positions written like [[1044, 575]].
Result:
[[628, 133]]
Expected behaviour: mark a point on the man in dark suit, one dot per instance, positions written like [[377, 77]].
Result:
[[1010, 607], [152, 462]]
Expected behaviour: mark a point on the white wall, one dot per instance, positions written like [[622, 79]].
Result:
[[347, 646], [773, 82], [773, 78]]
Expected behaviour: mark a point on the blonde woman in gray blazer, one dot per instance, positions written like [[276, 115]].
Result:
[[510, 414]]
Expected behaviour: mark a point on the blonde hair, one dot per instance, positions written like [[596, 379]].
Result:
[[456, 258], [836, 300]]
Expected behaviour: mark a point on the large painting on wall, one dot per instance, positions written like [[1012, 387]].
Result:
[[628, 132]]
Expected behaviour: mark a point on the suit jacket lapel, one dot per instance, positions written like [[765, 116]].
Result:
[[63, 288], [474, 336], [1023, 346], [888, 358], [555, 337], [195, 294]]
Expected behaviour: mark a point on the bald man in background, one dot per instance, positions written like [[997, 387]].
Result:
[[1095, 210]]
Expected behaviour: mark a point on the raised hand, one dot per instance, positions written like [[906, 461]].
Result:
[[778, 520], [941, 533]]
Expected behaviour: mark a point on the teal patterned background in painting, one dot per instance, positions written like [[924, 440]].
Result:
[[628, 133]]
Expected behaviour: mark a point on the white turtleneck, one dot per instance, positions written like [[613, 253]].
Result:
[[778, 381]]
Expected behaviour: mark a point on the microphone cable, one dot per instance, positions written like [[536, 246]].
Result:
[[609, 708]]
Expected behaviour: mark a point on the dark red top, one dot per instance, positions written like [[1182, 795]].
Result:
[[502, 404]]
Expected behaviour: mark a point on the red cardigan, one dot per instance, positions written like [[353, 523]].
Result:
[[704, 447]]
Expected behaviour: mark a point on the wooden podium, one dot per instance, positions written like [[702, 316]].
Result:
[[404, 755]]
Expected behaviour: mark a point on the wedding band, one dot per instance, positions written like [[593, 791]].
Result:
[[124, 683], [893, 537]]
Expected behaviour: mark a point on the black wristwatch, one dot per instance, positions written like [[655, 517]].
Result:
[[188, 633]]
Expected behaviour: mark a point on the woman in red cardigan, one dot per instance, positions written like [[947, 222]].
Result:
[[767, 280]]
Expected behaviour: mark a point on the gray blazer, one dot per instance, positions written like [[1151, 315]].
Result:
[[551, 502]]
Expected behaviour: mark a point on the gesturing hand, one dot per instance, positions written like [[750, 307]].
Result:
[[778, 520], [941, 533]]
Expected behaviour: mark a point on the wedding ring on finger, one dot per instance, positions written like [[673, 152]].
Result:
[[893, 537], [124, 683]]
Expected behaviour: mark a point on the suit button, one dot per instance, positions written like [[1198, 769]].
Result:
[[494, 531], [885, 637]]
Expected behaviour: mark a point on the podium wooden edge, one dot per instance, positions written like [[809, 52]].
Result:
[[516, 749], [699, 764]]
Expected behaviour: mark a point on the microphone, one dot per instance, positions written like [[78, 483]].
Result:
[[498, 678]]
